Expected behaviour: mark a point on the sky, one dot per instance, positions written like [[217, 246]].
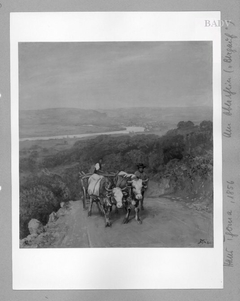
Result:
[[101, 75]]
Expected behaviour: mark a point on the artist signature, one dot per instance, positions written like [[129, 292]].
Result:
[[203, 242]]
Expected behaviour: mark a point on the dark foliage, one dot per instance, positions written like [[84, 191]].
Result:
[[39, 196]]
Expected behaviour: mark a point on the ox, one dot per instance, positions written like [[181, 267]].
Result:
[[134, 195], [118, 198], [98, 190], [138, 188]]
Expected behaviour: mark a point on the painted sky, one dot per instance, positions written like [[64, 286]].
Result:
[[114, 74]]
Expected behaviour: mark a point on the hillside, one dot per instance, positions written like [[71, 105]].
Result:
[[180, 163], [51, 122], [165, 114]]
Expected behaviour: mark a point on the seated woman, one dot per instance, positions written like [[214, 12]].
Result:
[[98, 167]]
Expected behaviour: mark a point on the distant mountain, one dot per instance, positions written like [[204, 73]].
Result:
[[60, 116], [51, 122], [35, 123], [172, 114]]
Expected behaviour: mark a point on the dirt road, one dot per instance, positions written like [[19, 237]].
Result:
[[165, 224]]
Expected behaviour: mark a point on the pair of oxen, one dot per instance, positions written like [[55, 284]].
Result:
[[121, 190]]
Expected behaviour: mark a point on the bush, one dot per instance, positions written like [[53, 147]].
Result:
[[37, 202], [185, 124], [40, 196]]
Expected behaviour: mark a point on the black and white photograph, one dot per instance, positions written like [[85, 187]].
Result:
[[116, 144], [116, 151], [119, 123]]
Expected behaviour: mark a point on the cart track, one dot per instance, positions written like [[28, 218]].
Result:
[[165, 224]]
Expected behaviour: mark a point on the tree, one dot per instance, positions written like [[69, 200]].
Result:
[[122, 147], [113, 162], [136, 156], [155, 160], [206, 125], [181, 124], [185, 124]]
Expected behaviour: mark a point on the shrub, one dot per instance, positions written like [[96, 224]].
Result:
[[39, 196], [37, 202]]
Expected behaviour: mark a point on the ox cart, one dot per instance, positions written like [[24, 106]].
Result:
[[84, 178], [113, 189]]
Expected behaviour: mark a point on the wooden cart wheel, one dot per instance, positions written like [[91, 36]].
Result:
[[84, 198]]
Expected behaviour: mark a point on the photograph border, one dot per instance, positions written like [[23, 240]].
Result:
[[209, 261]]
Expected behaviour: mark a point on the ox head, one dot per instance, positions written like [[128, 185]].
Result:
[[117, 193], [137, 187]]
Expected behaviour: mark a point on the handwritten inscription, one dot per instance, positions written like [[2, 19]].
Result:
[[228, 96], [229, 228], [230, 50], [230, 191], [228, 262], [228, 92], [229, 232], [228, 131]]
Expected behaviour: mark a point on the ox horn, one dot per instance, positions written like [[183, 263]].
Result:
[[109, 190], [123, 188]]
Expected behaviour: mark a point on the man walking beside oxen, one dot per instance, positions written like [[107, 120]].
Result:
[[140, 174]]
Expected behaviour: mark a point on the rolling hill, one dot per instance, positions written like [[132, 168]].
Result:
[[50, 122]]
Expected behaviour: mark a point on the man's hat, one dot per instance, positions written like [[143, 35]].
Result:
[[141, 165]]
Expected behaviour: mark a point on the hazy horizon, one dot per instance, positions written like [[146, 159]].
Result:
[[114, 75], [120, 108]]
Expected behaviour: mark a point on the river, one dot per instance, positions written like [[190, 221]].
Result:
[[130, 129]]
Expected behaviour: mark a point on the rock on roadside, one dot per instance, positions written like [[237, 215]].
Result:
[[44, 236], [35, 227]]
